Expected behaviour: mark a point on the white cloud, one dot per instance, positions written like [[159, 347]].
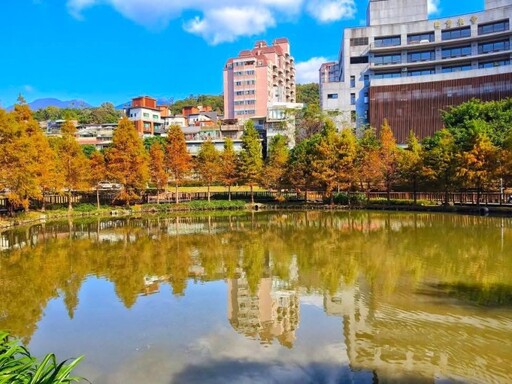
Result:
[[307, 71], [433, 6], [220, 20], [327, 11], [221, 25]]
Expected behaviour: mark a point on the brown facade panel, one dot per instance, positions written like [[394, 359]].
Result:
[[418, 107]]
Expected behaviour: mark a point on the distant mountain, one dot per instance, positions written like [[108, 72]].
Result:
[[51, 102]]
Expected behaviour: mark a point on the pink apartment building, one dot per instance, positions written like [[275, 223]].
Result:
[[258, 79]]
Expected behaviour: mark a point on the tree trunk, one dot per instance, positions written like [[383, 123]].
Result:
[[177, 198], [208, 188], [415, 189], [252, 194], [98, 198], [388, 191], [229, 192], [478, 193], [70, 204], [43, 206]]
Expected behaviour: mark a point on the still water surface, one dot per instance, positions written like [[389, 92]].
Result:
[[302, 297]]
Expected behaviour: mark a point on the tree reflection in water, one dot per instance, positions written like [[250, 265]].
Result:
[[406, 285]]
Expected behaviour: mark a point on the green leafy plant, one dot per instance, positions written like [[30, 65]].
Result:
[[344, 198], [17, 366]]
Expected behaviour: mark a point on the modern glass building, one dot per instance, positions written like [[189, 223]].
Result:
[[406, 68]]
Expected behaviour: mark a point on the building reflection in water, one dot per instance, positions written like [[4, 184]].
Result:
[[270, 313]]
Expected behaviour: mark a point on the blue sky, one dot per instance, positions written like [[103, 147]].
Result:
[[113, 50]]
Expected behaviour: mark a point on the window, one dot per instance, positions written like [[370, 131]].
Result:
[[366, 97], [414, 57], [458, 33], [155, 117], [238, 73], [250, 102], [147, 125], [498, 26], [238, 83], [352, 81], [387, 59], [456, 52], [387, 75], [492, 64], [353, 98], [359, 60], [494, 46], [388, 41], [421, 38], [251, 72], [421, 72], [457, 68], [356, 41], [332, 95], [366, 80], [145, 115]]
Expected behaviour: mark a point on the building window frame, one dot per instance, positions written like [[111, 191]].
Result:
[[418, 38], [493, 46], [456, 33], [387, 41], [493, 27], [453, 52]]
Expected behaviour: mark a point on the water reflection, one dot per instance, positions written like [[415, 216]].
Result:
[[418, 297]]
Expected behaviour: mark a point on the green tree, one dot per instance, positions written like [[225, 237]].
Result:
[[410, 164], [299, 172], [275, 165], [250, 158], [368, 161], [228, 172], [208, 164], [441, 161], [178, 161], [73, 162], [88, 150], [492, 119], [127, 161], [308, 94]]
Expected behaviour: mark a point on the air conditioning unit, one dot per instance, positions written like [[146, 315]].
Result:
[[424, 41]]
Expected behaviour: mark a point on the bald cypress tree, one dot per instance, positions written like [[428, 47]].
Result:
[[178, 160], [127, 161], [250, 158]]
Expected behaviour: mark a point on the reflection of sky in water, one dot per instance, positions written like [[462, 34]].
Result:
[[167, 339]]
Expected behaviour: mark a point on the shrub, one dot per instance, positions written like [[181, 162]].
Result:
[[344, 198], [18, 366]]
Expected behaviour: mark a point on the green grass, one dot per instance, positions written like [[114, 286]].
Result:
[[195, 205], [395, 202], [17, 366]]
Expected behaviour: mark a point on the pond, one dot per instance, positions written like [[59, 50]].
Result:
[[281, 297]]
